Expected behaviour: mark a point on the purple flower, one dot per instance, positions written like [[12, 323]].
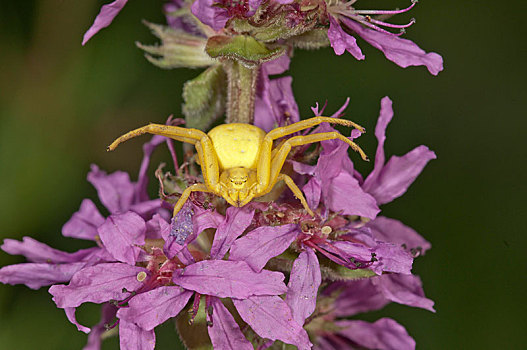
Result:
[[343, 18], [216, 13], [275, 104], [104, 18], [345, 299]]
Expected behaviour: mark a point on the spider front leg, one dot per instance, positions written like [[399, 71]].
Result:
[[278, 160], [209, 164], [174, 132], [264, 166], [184, 196], [296, 191], [308, 123]]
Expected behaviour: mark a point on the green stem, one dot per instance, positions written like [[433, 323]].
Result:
[[241, 91]]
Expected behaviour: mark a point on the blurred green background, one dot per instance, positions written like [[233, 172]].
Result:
[[61, 104]]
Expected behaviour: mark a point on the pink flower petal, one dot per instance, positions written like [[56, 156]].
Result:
[[356, 297], [83, 224], [270, 317], [303, 286], [399, 173], [344, 194], [385, 116], [115, 191], [394, 231], [384, 334], [225, 332], [262, 244], [392, 258], [36, 275], [132, 337], [389, 181], [35, 251], [233, 279], [97, 284], [150, 309], [104, 18], [342, 41], [403, 289], [70, 314], [402, 52], [121, 234], [235, 223], [157, 227], [211, 15]]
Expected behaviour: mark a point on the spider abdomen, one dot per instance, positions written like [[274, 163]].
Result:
[[237, 145]]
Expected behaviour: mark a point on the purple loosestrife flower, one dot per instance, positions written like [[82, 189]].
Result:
[[340, 300], [344, 18], [275, 104]]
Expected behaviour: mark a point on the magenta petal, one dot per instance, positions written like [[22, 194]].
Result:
[[356, 297], [344, 194], [342, 41], [313, 191], [122, 234], [393, 231], [403, 289], [225, 332], [83, 224], [157, 227], [392, 258], [399, 173], [115, 191], [384, 334], [97, 284], [402, 52], [141, 192], [132, 337], [229, 279], [211, 15], [146, 208], [262, 244], [270, 317], [304, 169], [94, 338], [385, 116], [236, 221], [36, 275], [104, 18], [303, 286], [36, 251], [70, 314], [150, 309]]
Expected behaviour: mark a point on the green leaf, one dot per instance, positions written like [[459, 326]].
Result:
[[245, 49], [205, 98]]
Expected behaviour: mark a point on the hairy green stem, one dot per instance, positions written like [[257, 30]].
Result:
[[241, 91]]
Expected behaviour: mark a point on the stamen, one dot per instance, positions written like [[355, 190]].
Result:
[[195, 308], [108, 326], [390, 25], [370, 25], [385, 12]]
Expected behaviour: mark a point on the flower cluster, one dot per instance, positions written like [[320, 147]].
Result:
[[266, 273]]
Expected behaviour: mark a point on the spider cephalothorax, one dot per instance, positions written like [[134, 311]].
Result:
[[238, 161]]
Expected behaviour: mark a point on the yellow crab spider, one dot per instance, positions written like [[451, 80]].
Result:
[[238, 161]]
